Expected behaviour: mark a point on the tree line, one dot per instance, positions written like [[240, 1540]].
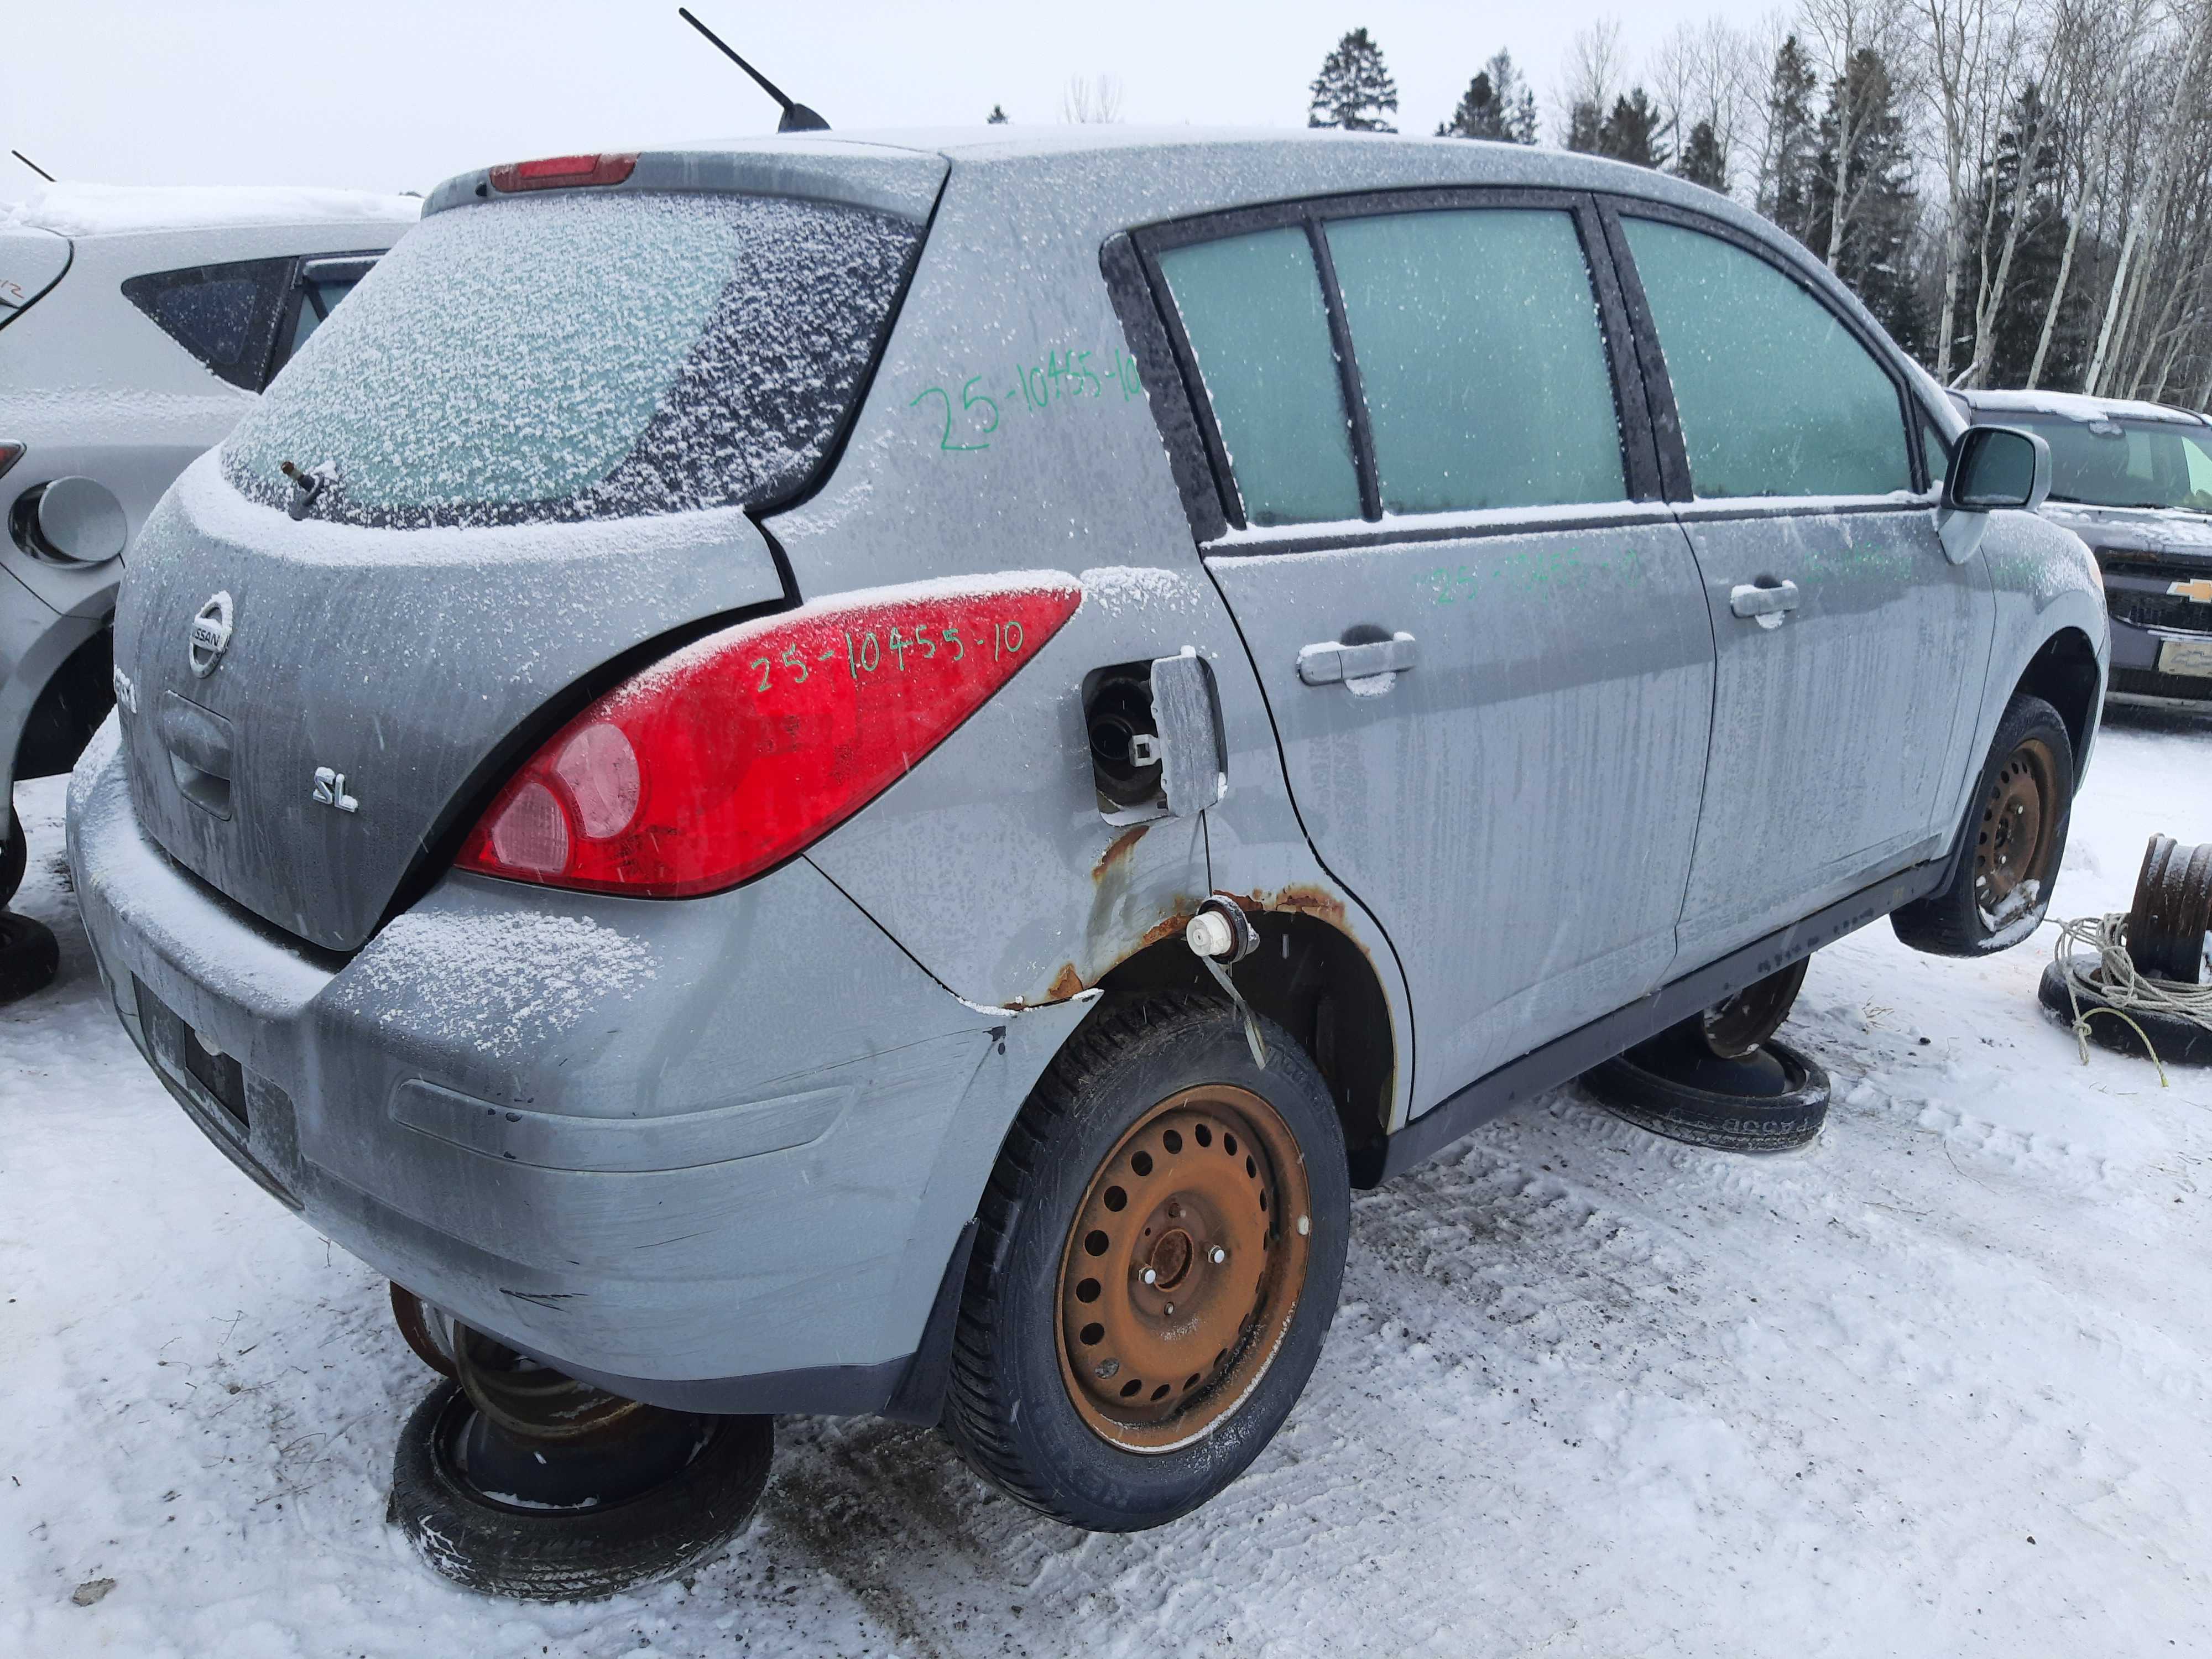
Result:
[[2019, 190]]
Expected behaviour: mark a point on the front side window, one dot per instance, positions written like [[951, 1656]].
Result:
[[316, 299], [1252, 306], [1776, 395], [1481, 359]]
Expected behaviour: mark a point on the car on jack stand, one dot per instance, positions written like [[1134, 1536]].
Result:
[[136, 325], [877, 788], [2134, 481]]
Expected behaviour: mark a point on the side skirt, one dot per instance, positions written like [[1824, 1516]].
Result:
[[1568, 1057]]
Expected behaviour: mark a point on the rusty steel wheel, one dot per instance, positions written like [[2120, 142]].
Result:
[[2014, 841], [1156, 1264], [1998, 881], [1182, 1268], [1731, 1028]]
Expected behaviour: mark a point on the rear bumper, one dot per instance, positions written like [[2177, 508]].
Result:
[[715, 1153]]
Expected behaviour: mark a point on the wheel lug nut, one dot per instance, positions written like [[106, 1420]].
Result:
[[1217, 1256], [1149, 1276]]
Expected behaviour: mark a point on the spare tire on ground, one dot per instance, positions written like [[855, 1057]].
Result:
[[507, 1543], [2178, 1042], [1772, 1100], [30, 957]]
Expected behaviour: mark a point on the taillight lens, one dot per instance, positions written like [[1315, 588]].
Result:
[[562, 172], [721, 761]]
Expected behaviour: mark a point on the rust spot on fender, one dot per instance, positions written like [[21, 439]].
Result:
[[1165, 928], [1119, 850], [1302, 897], [1066, 983]]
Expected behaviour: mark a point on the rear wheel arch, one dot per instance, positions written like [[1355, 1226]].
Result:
[[1316, 982]]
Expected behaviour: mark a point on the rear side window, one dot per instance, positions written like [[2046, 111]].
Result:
[[1481, 359], [584, 356], [1252, 306], [225, 315], [1776, 395]]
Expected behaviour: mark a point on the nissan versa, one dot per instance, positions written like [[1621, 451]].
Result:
[[867, 775]]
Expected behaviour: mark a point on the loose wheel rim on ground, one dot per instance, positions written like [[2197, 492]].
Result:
[[1208, 1194], [2018, 829]]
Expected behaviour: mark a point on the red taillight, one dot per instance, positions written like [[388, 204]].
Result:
[[563, 172], [9, 454], [740, 750]]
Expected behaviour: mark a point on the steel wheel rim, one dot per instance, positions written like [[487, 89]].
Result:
[[1735, 1027], [2013, 840], [1151, 1367]]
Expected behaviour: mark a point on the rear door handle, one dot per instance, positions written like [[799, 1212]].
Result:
[[1367, 670], [1765, 603]]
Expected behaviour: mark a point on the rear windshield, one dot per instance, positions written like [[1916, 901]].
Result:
[[582, 356], [2123, 463]]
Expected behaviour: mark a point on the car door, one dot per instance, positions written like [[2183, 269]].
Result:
[[1480, 634], [1851, 649]]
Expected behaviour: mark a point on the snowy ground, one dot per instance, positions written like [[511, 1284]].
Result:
[[1936, 1386]]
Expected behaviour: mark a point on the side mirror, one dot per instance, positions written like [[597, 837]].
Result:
[[1998, 467], [1993, 468]]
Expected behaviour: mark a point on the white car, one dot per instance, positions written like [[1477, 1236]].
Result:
[[136, 326]]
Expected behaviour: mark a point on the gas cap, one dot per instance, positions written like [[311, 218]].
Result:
[[69, 521]]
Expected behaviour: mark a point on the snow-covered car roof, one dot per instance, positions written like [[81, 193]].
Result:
[[82, 209], [2073, 406]]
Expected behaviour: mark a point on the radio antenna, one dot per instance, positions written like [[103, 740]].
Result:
[[796, 118], [49, 177]]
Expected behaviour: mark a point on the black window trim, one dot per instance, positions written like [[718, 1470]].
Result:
[[1186, 415], [1659, 390]]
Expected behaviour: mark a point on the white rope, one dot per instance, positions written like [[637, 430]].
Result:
[[2109, 976]]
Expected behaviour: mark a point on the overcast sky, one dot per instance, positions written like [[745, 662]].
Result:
[[399, 94]]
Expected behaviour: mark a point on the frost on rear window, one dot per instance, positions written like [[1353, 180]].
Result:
[[574, 357]]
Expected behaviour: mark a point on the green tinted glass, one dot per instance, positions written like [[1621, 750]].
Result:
[[1776, 395], [1252, 305], [1481, 359]]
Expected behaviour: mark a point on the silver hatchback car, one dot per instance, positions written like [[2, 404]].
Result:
[[868, 775]]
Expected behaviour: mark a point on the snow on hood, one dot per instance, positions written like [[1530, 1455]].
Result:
[[76, 209]]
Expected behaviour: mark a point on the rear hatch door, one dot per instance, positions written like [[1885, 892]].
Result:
[[533, 440]]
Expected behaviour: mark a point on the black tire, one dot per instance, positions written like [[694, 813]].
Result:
[[570, 1555], [1953, 921], [1771, 1102], [2178, 1042], [15, 854], [1011, 1407], [30, 957]]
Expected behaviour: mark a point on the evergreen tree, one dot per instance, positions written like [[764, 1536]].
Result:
[[1354, 90], [1791, 140], [997, 118], [2035, 261], [1703, 160], [1585, 127], [1496, 104], [1478, 115], [1634, 131], [1875, 179]]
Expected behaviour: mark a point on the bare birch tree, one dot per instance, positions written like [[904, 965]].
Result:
[[1840, 30]]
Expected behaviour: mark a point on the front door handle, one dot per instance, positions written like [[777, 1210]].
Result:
[[1366, 670], [1767, 602]]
